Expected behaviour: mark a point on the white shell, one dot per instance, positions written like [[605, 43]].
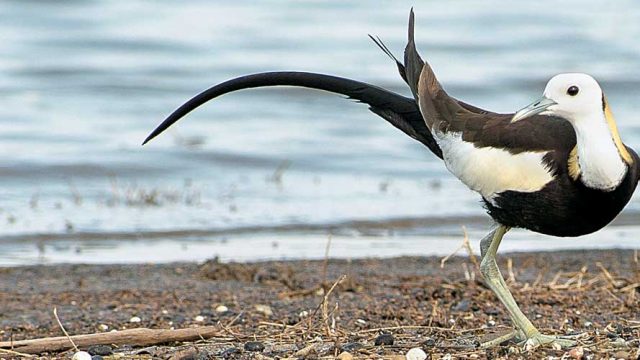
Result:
[[81, 355], [416, 354]]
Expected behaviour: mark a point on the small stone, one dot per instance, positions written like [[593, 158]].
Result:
[[81, 355], [492, 311], [303, 314], [102, 350], [447, 356], [199, 318], [429, 342], [576, 353], [254, 346], [416, 354], [462, 306], [384, 339], [103, 327], [361, 322], [230, 352], [491, 323], [345, 356], [588, 324], [221, 309], [351, 347], [135, 319], [264, 309]]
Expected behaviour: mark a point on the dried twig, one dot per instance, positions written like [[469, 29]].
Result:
[[467, 244], [325, 301], [55, 313], [137, 337], [15, 353]]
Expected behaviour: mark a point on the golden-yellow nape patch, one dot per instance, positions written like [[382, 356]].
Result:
[[573, 164], [611, 122]]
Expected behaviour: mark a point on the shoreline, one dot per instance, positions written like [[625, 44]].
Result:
[[275, 246], [442, 310]]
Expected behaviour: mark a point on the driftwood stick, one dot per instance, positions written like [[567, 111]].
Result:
[[137, 337]]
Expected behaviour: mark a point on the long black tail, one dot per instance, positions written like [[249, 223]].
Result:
[[400, 111]]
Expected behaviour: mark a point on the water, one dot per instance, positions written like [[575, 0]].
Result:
[[82, 83]]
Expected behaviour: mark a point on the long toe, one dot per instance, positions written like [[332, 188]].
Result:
[[537, 340]]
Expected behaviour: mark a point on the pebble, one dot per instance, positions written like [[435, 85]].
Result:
[[303, 314], [222, 309], [576, 353], [416, 354], [135, 319], [255, 346], [103, 327], [384, 339], [264, 309], [462, 306], [345, 356], [230, 352], [102, 350], [199, 318], [429, 342], [351, 347], [81, 355]]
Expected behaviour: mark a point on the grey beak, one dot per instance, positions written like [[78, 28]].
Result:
[[534, 108]]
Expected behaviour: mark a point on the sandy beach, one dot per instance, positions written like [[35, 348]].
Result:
[[381, 309]]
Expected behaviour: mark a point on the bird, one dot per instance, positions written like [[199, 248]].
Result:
[[557, 166]]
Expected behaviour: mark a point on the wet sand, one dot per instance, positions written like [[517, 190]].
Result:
[[443, 310]]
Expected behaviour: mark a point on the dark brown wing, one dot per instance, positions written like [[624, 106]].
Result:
[[445, 114]]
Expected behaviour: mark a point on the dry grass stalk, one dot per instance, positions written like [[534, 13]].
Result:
[[512, 275], [325, 302], [15, 353], [466, 245], [55, 314]]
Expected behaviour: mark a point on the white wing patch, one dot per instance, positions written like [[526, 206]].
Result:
[[491, 171]]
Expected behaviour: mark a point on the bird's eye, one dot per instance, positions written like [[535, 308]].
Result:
[[573, 90]]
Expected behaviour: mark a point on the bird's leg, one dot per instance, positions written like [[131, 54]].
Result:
[[491, 273]]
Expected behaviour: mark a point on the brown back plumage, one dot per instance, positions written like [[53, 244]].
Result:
[[445, 114]]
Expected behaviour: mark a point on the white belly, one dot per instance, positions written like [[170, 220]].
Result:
[[490, 171]]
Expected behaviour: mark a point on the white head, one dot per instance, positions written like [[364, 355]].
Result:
[[572, 96], [601, 156]]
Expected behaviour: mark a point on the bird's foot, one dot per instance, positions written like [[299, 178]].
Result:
[[557, 342], [533, 341]]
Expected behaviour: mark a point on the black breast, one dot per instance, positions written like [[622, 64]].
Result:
[[564, 207]]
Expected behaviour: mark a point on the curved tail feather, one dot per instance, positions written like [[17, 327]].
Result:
[[400, 111]]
